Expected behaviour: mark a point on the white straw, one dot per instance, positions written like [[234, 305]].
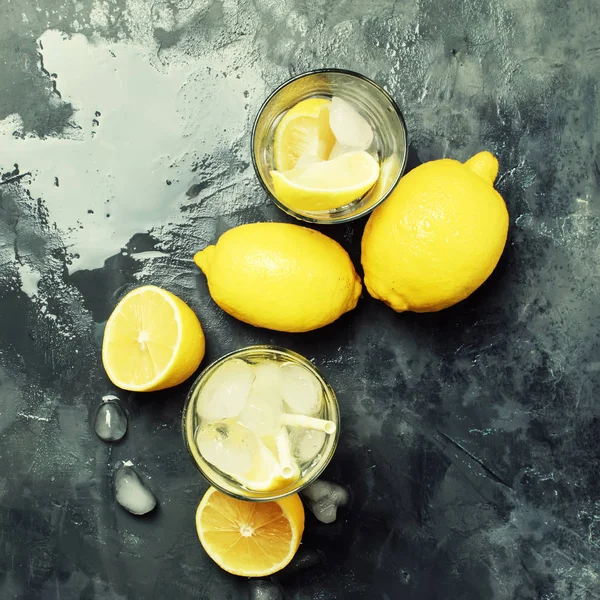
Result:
[[308, 422], [286, 462]]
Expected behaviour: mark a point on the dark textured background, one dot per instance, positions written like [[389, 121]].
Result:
[[470, 438]]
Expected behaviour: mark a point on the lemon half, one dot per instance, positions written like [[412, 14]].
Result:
[[152, 341], [250, 539]]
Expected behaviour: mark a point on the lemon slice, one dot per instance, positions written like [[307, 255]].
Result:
[[327, 185], [250, 539], [152, 341], [303, 131], [265, 473]]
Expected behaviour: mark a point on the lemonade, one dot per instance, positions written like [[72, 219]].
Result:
[[329, 146], [261, 423]]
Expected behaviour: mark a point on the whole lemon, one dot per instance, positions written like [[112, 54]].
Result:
[[280, 276], [438, 236]]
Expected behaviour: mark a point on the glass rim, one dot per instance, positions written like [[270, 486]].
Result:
[[362, 213], [252, 496]]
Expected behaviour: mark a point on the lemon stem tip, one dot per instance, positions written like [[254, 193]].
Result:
[[484, 164], [203, 258]]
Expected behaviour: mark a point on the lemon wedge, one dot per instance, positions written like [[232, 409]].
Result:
[[327, 185], [303, 133], [265, 473], [152, 341]]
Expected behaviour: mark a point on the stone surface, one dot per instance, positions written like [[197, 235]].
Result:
[[470, 438]]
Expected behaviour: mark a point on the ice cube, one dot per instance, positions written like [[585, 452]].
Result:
[[323, 498], [264, 407], [301, 390], [224, 394], [264, 590], [131, 492], [349, 127], [110, 423], [268, 374], [228, 446], [306, 443], [339, 149], [263, 410]]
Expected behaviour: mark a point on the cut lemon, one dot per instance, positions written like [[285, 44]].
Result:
[[250, 539], [237, 452], [152, 341], [327, 185], [265, 473], [303, 132]]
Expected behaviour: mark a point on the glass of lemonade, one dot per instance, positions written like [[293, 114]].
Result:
[[329, 146], [261, 423]]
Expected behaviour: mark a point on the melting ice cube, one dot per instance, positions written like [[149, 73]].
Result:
[[306, 443], [224, 394], [264, 590], [301, 390], [263, 410], [268, 374], [131, 493], [349, 127], [323, 498], [229, 447], [339, 149], [111, 421], [264, 407]]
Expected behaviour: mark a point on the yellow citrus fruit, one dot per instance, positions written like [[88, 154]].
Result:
[[250, 539], [438, 236], [303, 130], [265, 474], [152, 341], [327, 185], [280, 276]]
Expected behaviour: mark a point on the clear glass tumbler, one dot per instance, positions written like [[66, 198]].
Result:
[[227, 483], [371, 101]]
